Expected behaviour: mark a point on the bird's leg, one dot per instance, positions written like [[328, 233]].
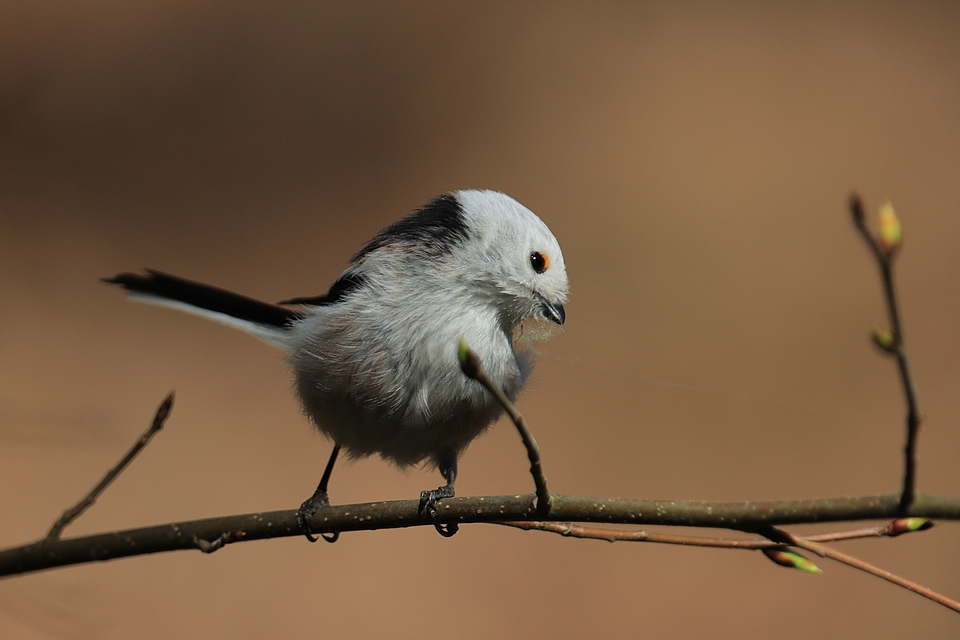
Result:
[[317, 500], [428, 499]]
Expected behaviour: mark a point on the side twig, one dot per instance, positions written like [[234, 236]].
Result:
[[884, 250], [573, 530], [74, 512], [470, 364], [777, 539], [785, 537]]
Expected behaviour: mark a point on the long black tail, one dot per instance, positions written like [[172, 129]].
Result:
[[263, 319]]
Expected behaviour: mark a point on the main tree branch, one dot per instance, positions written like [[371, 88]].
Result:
[[212, 533]]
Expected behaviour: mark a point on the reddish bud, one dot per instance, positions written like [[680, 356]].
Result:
[[901, 526]]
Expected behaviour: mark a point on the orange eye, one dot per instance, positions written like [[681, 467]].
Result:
[[539, 262]]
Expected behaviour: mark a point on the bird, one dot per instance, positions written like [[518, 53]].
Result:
[[375, 359]]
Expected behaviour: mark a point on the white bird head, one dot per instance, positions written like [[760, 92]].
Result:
[[511, 255]]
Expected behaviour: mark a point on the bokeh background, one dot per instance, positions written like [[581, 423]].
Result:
[[694, 159]]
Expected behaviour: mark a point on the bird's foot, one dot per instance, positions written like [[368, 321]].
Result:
[[306, 511], [428, 502]]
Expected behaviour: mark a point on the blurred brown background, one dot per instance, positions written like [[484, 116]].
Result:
[[693, 159]]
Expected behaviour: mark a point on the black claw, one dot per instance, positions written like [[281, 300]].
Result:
[[448, 532]]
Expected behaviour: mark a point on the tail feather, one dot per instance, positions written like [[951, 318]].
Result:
[[267, 321]]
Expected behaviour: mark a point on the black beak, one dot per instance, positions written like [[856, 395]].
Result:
[[551, 311]]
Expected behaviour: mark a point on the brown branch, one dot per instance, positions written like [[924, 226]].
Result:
[[71, 514], [828, 552], [745, 516], [884, 253], [573, 530], [470, 364], [776, 539]]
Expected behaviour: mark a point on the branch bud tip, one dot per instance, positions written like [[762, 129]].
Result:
[[890, 232], [856, 208], [469, 362], [791, 559], [883, 339], [909, 525]]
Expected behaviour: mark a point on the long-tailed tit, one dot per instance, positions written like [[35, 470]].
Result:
[[375, 358]]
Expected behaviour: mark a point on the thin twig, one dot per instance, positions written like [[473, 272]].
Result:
[[820, 549], [777, 538], [884, 257], [573, 530], [74, 512], [470, 364]]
